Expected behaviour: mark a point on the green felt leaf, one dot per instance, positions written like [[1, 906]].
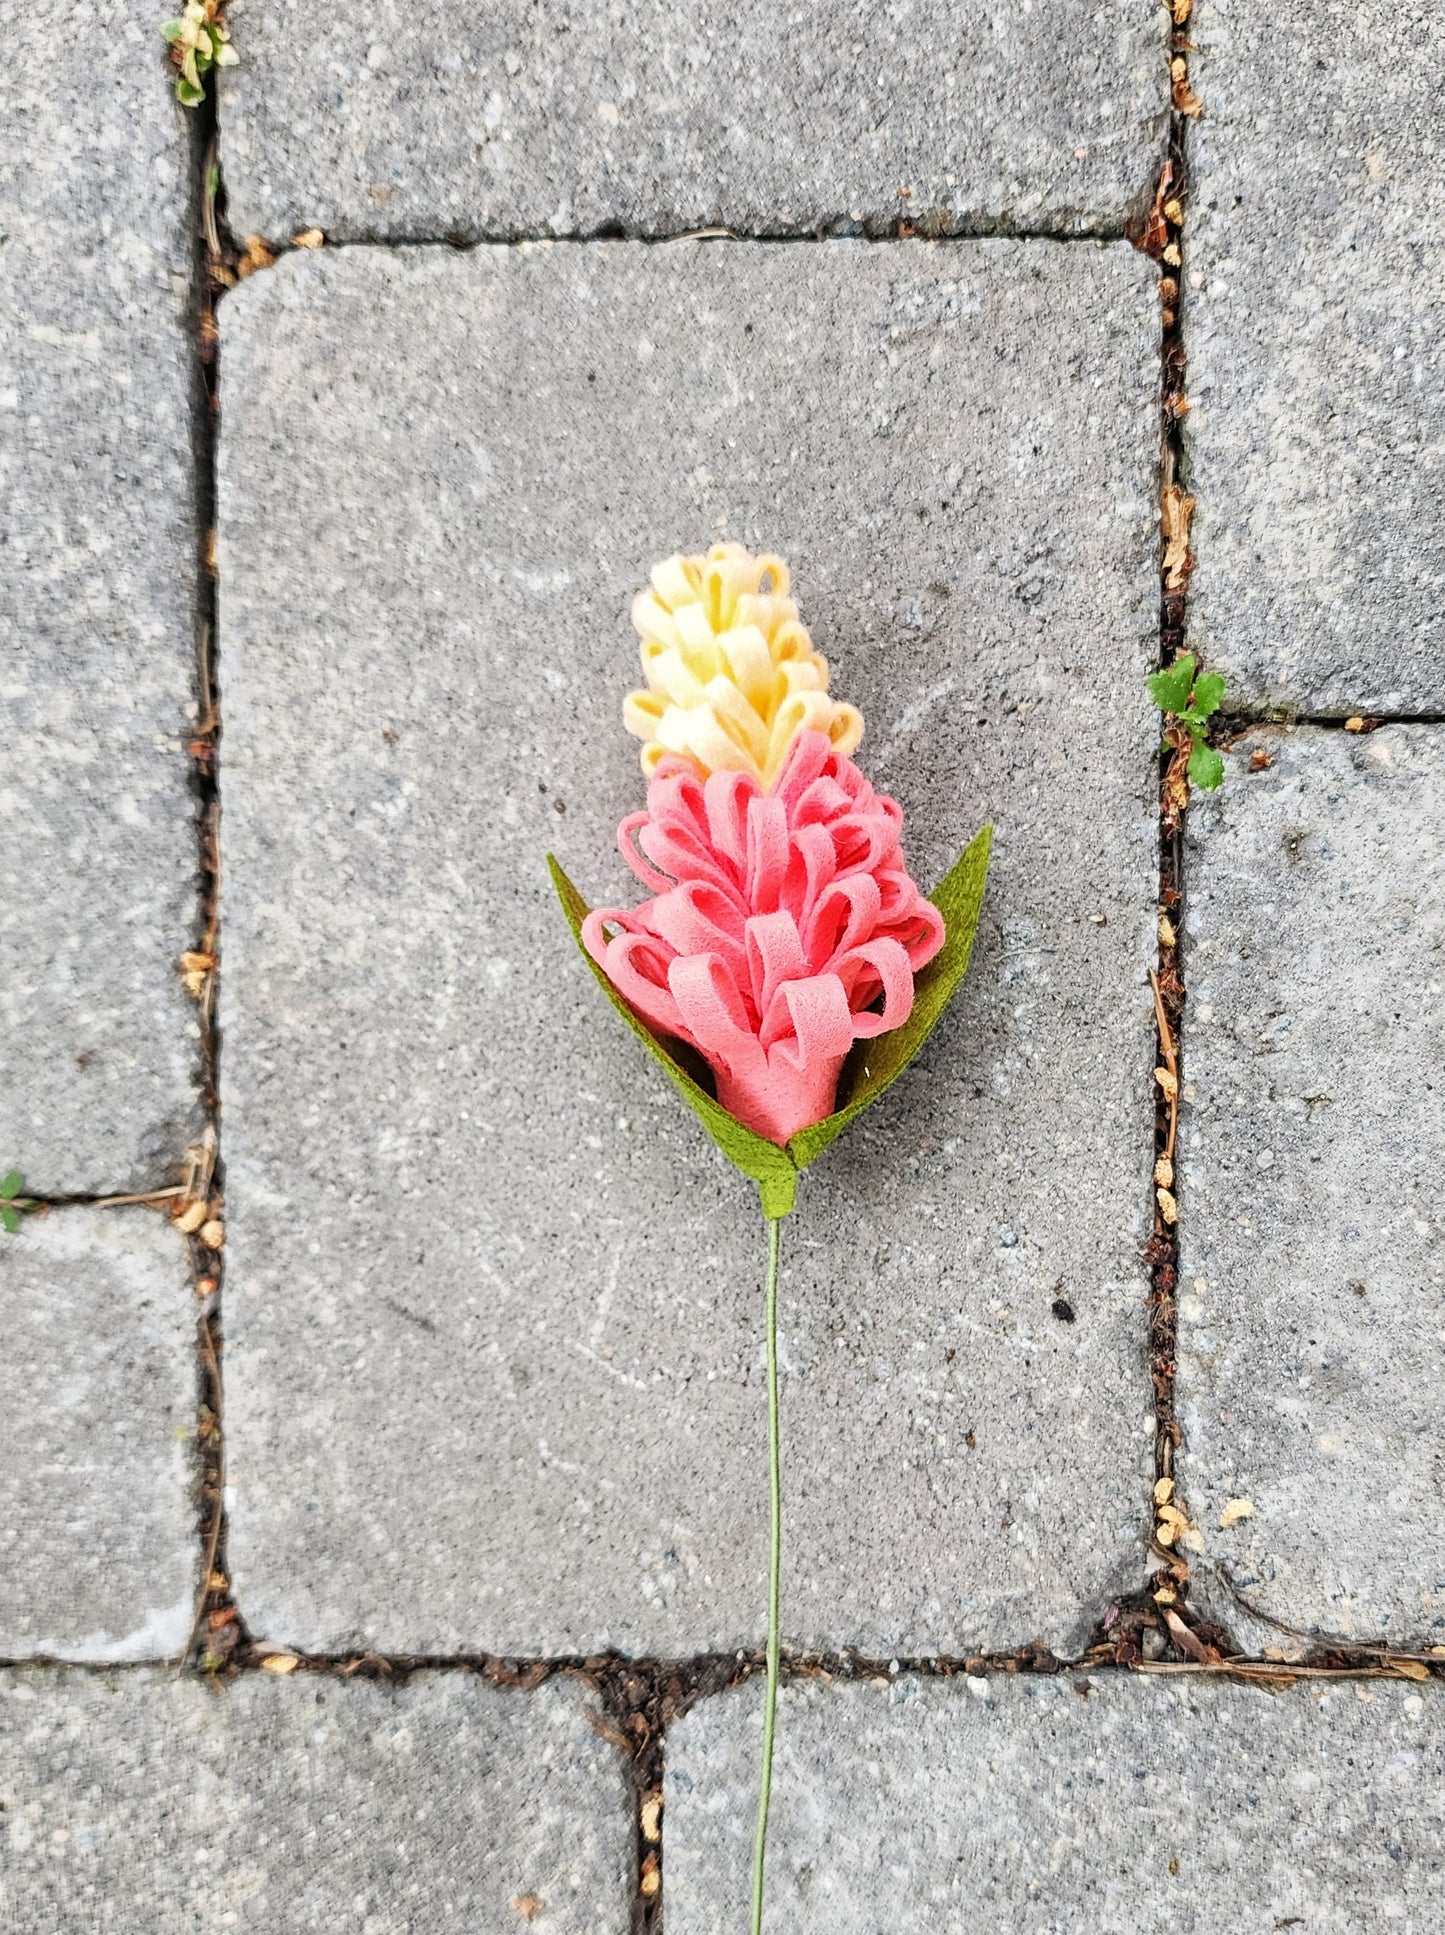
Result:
[[875, 1065], [11, 1185], [1170, 690], [10, 1218], [770, 1167], [1208, 694], [1206, 768]]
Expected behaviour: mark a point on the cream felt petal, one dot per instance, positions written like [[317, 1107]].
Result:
[[732, 677]]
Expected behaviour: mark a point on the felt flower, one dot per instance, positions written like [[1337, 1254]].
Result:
[[732, 676], [784, 926]]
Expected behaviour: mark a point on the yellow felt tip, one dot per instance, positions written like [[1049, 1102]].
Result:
[[732, 676]]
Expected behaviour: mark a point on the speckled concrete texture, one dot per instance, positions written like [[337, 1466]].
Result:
[[1316, 367], [99, 1558], [309, 1804], [98, 568], [1096, 1804], [430, 121]]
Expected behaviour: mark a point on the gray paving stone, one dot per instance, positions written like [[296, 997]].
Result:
[[419, 122], [1108, 1806], [97, 570], [1316, 366], [1312, 1350], [98, 1552], [136, 1800], [493, 1303]]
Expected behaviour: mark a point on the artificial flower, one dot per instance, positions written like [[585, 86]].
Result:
[[784, 926], [732, 676]]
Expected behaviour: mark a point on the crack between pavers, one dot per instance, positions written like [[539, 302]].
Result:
[[1234, 724], [1164, 1630], [927, 227], [216, 1628], [700, 1676]]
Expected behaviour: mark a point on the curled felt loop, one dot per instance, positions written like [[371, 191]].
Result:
[[732, 677], [783, 927]]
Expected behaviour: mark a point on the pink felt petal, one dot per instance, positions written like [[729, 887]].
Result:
[[822, 1025], [715, 1014], [698, 918], [811, 866], [637, 965], [647, 874], [678, 845], [728, 798], [800, 1079], [775, 955], [810, 755], [778, 924], [876, 964], [843, 916], [767, 854]]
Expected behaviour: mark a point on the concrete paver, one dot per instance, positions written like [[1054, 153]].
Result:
[[137, 1800], [1094, 1805], [98, 1552], [427, 121], [1312, 1351], [493, 1307], [1316, 367], [98, 550]]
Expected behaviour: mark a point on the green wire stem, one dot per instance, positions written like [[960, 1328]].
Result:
[[775, 1570]]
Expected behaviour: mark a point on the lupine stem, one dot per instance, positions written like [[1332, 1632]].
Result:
[[775, 1569]]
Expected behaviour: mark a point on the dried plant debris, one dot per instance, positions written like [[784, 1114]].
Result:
[[199, 40], [1175, 512], [1152, 233], [1186, 101], [257, 254]]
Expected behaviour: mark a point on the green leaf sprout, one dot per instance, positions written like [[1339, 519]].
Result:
[[12, 1203], [1193, 701]]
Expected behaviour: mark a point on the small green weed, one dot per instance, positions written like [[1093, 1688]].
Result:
[[1192, 701], [199, 41], [12, 1203]]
